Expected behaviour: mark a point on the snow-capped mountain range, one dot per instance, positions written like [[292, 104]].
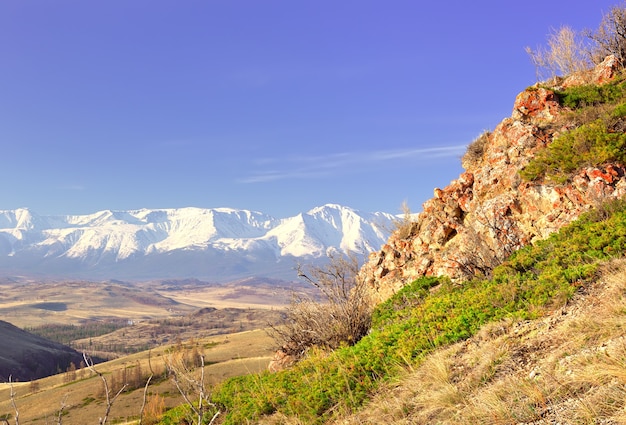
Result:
[[219, 244]]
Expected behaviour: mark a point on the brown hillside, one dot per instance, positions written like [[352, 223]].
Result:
[[24, 356]]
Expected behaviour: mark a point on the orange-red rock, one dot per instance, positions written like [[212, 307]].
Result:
[[489, 211]]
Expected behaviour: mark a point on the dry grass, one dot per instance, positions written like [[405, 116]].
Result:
[[474, 154], [156, 332], [226, 356], [32, 303], [568, 368], [404, 228], [25, 304]]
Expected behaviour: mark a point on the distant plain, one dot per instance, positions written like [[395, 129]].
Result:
[[173, 318], [31, 303]]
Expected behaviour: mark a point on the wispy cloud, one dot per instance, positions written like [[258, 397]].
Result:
[[72, 187], [175, 143], [310, 167]]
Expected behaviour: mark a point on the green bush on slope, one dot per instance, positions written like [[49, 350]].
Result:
[[577, 97], [427, 314], [592, 144], [598, 140]]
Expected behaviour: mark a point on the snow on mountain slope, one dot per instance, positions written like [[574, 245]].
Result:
[[218, 243], [331, 227]]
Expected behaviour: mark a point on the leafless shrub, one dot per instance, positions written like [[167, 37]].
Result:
[[193, 388], [110, 396], [34, 386], [484, 250], [342, 316], [566, 54], [403, 229], [13, 395], [61, 410], [150, 409], [475, 150], [153, 410], [610, 37], [477, 258]]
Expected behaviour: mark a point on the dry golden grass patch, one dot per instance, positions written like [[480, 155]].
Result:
[[225, 356], [568, 368]]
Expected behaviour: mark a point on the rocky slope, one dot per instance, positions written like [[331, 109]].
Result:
[[489, 211]]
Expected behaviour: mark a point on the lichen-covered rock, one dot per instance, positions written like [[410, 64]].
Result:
[[281, 361], [602, 73], [489, 211], [536, 104]]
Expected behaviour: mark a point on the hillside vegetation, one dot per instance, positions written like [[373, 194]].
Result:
[[77, 397], [568, 368], [434, 312], [429, 314], [427, 317]]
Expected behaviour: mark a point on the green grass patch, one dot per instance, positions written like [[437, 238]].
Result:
[[87, 401], [430, 313], [591, 144], [592, 95], [184, 415]]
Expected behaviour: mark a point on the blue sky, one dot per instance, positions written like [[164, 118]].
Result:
[[270, 105]]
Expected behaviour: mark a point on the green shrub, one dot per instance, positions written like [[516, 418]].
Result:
[[619, 111], [593, 144], [591, 95]]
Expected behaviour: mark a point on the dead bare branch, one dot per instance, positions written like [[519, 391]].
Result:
[[610, 37], [107, 392], [566, 54], [61, 409], [12, 395], [179, 370], [145, 398]]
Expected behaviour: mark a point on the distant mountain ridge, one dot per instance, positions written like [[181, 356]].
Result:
[[218, 244]]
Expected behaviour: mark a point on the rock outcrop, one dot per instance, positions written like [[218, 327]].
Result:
[[489, 211]]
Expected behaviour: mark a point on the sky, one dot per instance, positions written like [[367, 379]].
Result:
[[276, 106]]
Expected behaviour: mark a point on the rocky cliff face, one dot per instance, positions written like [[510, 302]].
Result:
[[489, 211]]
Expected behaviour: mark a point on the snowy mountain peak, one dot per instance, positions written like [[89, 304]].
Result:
[[219, 243], [21, 218], [329, 207]]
